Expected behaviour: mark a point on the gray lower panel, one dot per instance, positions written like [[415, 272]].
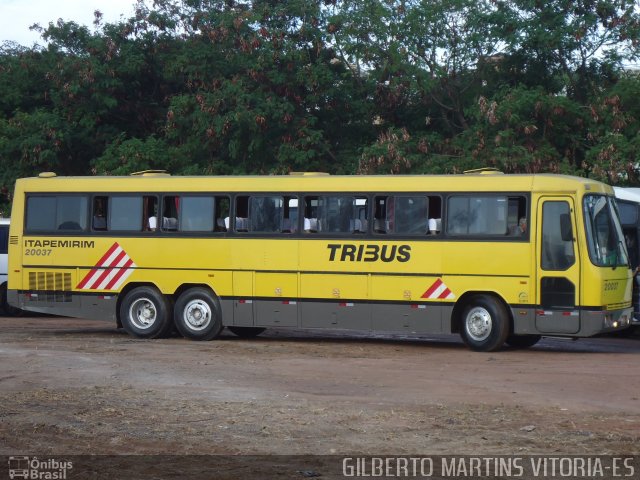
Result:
[[242, 312], [558, 322], [93, 307], [227, 311], [271, 313], [423, 318], [408, 318], [524, 321], [346, 315]]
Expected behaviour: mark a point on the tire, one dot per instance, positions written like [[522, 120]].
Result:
[[197, 314], [5, 308], [484, 324], [3, 300], [145, 313], [246, 332], [522, 341]]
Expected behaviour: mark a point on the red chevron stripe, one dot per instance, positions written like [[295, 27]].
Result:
[[445, 294], [432, 289], [117, 276], [88, 276], [107, 269]]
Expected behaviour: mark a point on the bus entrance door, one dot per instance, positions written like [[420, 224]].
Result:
[[558, 271]]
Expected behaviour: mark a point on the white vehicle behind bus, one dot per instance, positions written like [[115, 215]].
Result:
[[4, 244], [5, 308]]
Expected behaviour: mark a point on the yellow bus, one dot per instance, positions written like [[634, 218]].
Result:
[[496, 258]]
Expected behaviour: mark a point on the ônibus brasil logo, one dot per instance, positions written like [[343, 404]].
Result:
[[34, 468]]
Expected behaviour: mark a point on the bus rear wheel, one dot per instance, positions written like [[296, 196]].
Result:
[[144, 313], [197, 314], [485, 324], [246, 332]]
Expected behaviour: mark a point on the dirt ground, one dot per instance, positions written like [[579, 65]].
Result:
[[74, 387]]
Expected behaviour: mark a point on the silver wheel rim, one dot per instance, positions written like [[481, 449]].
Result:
[[197, 315], [478, 324], [143, 313]]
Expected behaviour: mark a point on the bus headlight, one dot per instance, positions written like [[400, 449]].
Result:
[[608, 321]]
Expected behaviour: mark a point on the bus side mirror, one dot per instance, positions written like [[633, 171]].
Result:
[[565, 228]]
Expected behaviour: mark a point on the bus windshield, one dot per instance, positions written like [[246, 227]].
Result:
[[604, 234]]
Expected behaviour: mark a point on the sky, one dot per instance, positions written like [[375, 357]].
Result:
[[16, 16]]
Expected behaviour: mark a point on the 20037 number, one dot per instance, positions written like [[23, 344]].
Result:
[[38, 252]]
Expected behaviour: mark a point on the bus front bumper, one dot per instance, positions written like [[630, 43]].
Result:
[[596, 322]]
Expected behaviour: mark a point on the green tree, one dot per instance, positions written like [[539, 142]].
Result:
[[374, 86], [615, 134], [264, 94], [559, 57], [571, 46]]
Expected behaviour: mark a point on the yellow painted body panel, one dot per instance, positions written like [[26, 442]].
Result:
[[242, 284], [169, 263], [333, 286], [239, 266], [278, 285]]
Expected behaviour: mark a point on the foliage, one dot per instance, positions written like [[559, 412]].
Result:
[[615, 136], [343, 86]]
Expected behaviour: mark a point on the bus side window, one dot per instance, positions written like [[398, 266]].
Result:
[[128, 213], [435, 215], [222, 213], [290, 215], [310, 222], [342, 214], [242, 214], [335, 214], [71, 212], [411, 215], [380, 214], [195, 213], [517, 217], [361, 218], [407, 214], [100, 213], [475, 215], [149, 213], [266, 214], [170, 209]]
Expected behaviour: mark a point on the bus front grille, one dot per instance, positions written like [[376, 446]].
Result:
[[50, 286]]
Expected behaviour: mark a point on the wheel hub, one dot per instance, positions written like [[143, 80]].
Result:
[[478, 324], [197, 315], [143, 313]]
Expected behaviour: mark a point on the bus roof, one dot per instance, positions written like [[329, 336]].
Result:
[[476, 182]]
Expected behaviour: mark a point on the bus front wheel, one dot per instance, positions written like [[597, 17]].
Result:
[[144, 313], [485, 324], [197, 314]]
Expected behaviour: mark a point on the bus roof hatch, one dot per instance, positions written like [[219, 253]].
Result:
[[484, 171], [152, 173]]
